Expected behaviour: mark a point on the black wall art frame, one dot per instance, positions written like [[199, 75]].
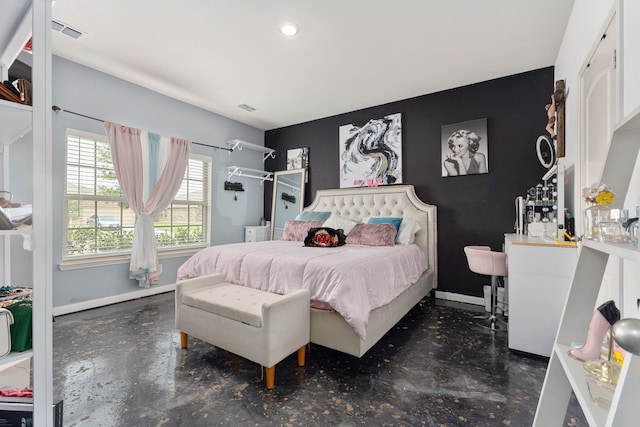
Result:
[[465, 148]]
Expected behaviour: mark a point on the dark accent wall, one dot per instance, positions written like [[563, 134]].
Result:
[[472, 209]]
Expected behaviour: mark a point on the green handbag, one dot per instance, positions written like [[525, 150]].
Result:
[[21, 334]]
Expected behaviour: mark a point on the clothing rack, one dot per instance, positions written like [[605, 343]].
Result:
[[58, 109]]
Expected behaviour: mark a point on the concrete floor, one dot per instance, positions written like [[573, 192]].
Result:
[[122, 365]]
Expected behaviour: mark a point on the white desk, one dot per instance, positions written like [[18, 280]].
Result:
[[540, 273]]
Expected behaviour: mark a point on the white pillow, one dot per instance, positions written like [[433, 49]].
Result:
[[407, 232], [337, 221]]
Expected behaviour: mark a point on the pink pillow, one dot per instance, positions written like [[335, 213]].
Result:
[[297, 230], [372, 235]]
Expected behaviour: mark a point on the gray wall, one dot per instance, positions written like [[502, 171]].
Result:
[[93, 93]]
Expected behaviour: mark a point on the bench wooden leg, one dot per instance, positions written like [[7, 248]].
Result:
[[301, 354], [271, 377], [184, 339]]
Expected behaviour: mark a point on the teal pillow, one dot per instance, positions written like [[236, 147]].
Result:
[[391, 220], [313, 216]]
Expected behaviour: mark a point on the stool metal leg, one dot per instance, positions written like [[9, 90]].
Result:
[[492, 322]]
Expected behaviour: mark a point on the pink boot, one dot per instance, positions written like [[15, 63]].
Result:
[[605, 316]]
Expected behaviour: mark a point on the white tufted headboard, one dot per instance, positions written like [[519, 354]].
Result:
[[390, 200]]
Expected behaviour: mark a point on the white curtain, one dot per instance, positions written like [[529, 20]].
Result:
[[150, 169]]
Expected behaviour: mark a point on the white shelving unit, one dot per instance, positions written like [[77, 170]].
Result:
[[238, 144], [32, 18], [15, 122], [565, 374]]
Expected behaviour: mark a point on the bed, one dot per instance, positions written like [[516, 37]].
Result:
[[352, 332]]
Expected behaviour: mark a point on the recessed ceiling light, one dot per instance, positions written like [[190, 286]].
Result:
[[289, 29]]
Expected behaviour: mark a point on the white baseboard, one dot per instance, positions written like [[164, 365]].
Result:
[[450, 296], [101, 302]]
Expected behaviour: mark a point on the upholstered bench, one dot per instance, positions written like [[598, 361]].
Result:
[[260, 326]]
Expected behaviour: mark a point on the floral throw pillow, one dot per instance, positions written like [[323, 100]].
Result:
[[324, 237]]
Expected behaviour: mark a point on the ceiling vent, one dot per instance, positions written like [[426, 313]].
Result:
[[246, 107], [65, 29]]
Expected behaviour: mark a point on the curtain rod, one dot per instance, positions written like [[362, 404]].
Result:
[[58, 109]]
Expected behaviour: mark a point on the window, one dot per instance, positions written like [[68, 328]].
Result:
[[98, 219]]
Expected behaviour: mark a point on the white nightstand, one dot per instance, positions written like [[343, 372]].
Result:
[[256, 233]]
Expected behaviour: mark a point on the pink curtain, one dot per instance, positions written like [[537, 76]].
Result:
[[134, 174]]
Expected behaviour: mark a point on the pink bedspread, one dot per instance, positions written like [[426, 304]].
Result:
[[352, 279]]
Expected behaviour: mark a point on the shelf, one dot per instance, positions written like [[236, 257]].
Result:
[[630, 122], [24, 293], [15, 29], [14, 356], [240, 144], [621, 250], [622, 411], [21, 20], [565, 374], [249, 173], [576, 375], [26, 231], [621, 157], [15, 121]]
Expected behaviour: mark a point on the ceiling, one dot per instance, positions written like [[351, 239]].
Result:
[[348, 54]]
